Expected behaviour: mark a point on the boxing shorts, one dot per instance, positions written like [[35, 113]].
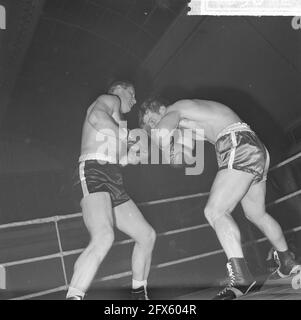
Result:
[[91, 177], [238, 147]]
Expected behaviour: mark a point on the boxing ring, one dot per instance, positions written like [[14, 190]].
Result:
[[37, 256]]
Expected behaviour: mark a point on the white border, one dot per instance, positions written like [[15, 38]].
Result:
[[202, 7]]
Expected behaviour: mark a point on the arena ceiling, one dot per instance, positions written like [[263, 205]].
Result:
[[58, 54]]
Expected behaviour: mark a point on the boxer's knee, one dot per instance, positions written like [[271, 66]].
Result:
[[148, 239], [152, 237], [213, 213], [102, 242]]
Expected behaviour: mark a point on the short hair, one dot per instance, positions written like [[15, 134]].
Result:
[[151, 104], [123, 84]]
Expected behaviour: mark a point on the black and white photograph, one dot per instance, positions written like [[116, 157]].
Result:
[[150, 150]]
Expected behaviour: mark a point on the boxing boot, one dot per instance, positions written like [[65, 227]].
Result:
[[240, 283], [287, 264]]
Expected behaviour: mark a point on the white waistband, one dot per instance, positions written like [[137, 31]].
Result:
[[235, 127], [97, 156]]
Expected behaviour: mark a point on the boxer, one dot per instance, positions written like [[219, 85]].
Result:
[[243, 163], [98, 185]]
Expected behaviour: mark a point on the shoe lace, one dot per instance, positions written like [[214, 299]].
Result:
[[231, 281], [276, 257]]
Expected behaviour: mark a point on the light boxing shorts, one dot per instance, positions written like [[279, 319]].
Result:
[[238, 147], [91, 177]]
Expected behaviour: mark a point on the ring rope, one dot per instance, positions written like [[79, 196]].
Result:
[[63, 254], [287, 197], [180, 198], [288, 160], [162, 265], [78, 215], [41, 293]]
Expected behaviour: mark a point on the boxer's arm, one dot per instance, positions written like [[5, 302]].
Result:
[[166, 127]]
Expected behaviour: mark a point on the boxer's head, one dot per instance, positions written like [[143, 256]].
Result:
[[126, 92], [151, 112]]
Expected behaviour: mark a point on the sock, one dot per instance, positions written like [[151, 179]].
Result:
[[138, 284], [73, 292]]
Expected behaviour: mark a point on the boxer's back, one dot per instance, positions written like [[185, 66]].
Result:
[[208, 115]]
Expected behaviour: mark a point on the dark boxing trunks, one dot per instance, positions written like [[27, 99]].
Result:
[[238, 147], [91, 177]]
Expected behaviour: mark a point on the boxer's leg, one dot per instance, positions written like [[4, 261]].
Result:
[[130, 220], [253, 205], [97, 214], [228, 188]]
